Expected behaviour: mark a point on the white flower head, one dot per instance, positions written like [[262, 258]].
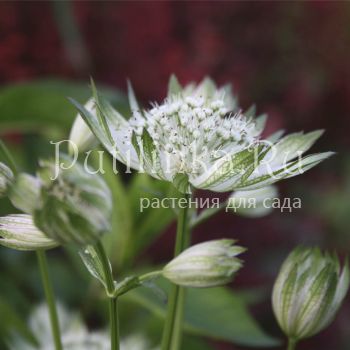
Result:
[[199, 137]]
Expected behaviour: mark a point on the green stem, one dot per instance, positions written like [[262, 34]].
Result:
[[113, 315], [172, 333], [50, 298], [150, 276], [113, 301], [292, 344]]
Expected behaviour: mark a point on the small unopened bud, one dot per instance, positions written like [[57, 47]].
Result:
[[80, 134], [19, 232], [308, 292], [24, 193], [206, 264], [6, 179], [75, 207]]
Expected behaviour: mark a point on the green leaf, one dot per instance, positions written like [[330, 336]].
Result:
[[93, 264], [229, 318], [7, 158], [151, 222], [216, 313], [120, 237], [42, 105]]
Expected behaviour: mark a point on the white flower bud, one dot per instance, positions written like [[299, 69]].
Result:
[[308, 292], [206, 264], [80, 133], [6, 179], [19, 232]]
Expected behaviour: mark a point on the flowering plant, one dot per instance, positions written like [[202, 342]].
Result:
[[197, 138]]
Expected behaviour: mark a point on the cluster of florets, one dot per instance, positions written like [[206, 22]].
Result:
[[193, 130]]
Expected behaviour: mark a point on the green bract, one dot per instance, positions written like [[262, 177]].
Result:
[[80, 135], [75, 207], [6, 179], [308, 292], [25, 192], [19, 232], [206, 264], [199, 135]]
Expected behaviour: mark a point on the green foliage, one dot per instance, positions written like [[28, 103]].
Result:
[[214, 312], [42, 105]]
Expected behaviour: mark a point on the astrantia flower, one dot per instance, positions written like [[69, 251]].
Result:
[[308, 292], [199, 137]]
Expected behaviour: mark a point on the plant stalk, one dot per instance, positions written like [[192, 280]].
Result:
[[50, 298], [292, 343], [113, 301], [172, 333]]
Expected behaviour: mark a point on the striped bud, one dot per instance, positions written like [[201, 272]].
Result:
[[19, 232], [308, 292], [75, 207], [206, 264], [6, 179]]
